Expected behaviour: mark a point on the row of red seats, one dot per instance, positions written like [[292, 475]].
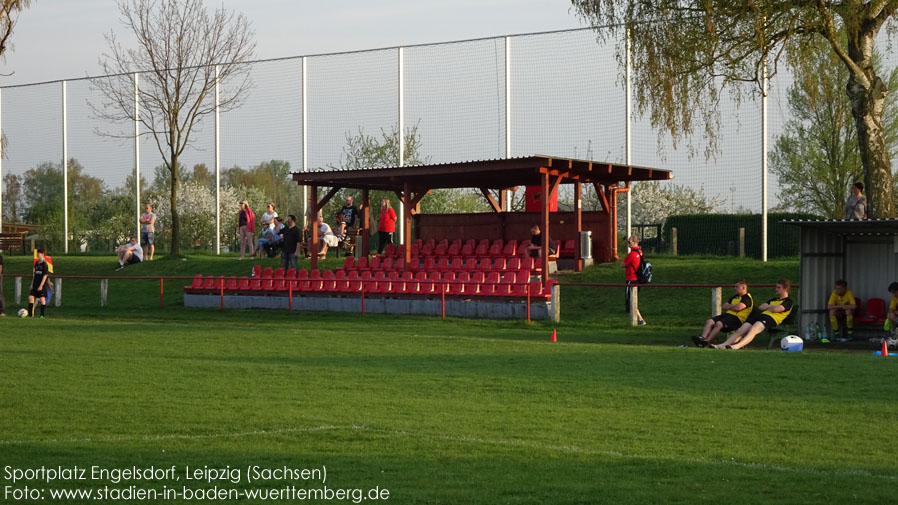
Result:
[[467, 249], [430, 263], [511, 284], [367, 274]]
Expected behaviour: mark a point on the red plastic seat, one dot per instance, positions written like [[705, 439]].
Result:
[[441, 249], [427, 250], [873, 312], [494, 250], [478, 277], [527, 263], [327, 275], [267, 273], [567, 250], [367, 275], [197, 282], [353, 275], [454, 249], [267, 284], [443, 264], [396, 287], [467, 250], [513, 264], [435, 276], [340, 275], [420, 276], [486, 264], [462, 276], [279, 285], [522, 249], [349, 263], [279, 273], [243, 284], [387, 264], [470, 264], [523, 276], [257, 271], [380, 275], [393, 275], [291, 274], [425, 288], [315, 274], [456, 288], [390, 250], [374, 264], [231, 284], [302, 274], [362, 264], [353, 287], [407, 276], [418, 242], [429, 264], [209, 283], [457, 264], [411, 287], [482, 251]]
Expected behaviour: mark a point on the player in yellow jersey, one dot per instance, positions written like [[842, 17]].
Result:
[[775, 311], [737, 309], [891, 325], [841, 306]]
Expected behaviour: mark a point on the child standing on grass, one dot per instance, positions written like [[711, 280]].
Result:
[[630, 264]]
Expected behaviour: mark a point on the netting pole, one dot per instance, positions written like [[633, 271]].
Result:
[[137, 153], [401, 65], [305, 143], [764, 163], [217, 167], [628, 112], [65, 174], [161, 290], [1, 176], [509, 194]]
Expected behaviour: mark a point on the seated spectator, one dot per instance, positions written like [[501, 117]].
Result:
[[277, 237], [265, 237], [841, 306], [129, 254], [535, 249], [773, 313], [326, 238], [737, 310], [341, 225]]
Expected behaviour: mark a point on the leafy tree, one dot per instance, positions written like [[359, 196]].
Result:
[[816, 157], [180, 45], [659, 200], [686, 52], [9, 15], [12, 197]]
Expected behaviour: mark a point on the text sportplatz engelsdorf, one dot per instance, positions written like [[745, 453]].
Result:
[[83, 484]]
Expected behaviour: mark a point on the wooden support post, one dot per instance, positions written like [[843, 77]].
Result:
[[578, 261], [366, 220], [673, 241], [104, 291], [17, 289], [634, 304], [716, 295], [407, 220], [545, 226], [741, 242], [57, 295], [313, 219]]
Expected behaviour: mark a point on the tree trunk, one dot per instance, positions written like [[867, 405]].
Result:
[[175, 217], [867, 106]]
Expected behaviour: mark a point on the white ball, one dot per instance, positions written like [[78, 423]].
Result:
[[22, 313]]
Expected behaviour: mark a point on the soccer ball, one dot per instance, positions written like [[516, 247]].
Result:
[[22, 313]]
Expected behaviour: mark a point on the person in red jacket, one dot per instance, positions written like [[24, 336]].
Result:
[[246, 228], [386, 226], [630, 264]]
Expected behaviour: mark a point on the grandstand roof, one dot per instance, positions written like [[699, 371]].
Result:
[[492, 174]]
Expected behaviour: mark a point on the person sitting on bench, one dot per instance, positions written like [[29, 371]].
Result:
[[841, 306], [737, 310], [774, 312]]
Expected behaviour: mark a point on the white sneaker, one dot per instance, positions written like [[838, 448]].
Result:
[[892, 342]]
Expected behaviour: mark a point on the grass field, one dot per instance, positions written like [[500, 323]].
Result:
[[443, 411]]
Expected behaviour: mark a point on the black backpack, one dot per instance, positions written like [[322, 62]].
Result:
[[643, 270]]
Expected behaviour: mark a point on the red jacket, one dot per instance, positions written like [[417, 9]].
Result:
[[387, 220], [250, 219], [631, 263]]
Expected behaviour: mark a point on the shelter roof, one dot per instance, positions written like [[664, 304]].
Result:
[[869, 227], [491, 174]]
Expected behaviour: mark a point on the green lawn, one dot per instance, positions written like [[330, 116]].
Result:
[[444, 411]]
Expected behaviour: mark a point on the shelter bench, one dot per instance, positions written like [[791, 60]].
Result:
[[10, 241]]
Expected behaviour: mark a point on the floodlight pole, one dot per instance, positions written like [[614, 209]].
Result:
[[217, 166], [137, 153], [764, 163], [508, 195], [401, 136], [1, 174], [65, 174], [628, 132], [307, 219]]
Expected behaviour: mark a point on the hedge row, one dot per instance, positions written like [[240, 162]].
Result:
[[718, 234]]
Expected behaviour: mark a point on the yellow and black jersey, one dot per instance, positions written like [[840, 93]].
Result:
[[846, 299], [749, 304], [778, 317]]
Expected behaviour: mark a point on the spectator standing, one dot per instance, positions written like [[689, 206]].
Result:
[[39, 284], [246, 228], [148, 231], [350, 214], [856, 206], [129, 254], [630, 264], [386, 225], [290, 249]]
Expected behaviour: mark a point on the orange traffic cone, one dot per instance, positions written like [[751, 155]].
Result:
[[554, 336], [885, 348]]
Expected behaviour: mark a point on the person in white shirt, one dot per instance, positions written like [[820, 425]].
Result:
[[129, 254], [326, 238]]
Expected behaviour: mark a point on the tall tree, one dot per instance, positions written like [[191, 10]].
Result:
[[816, 157], [685, 52], [12, 197], [179, 46], [9, 15]]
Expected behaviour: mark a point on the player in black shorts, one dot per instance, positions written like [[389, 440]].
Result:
[[737, 310], [39, 284], [775, 311]]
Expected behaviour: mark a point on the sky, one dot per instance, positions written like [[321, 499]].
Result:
[[63, 39]]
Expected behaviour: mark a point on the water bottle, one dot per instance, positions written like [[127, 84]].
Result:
[[818, 331], [807, 335]]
